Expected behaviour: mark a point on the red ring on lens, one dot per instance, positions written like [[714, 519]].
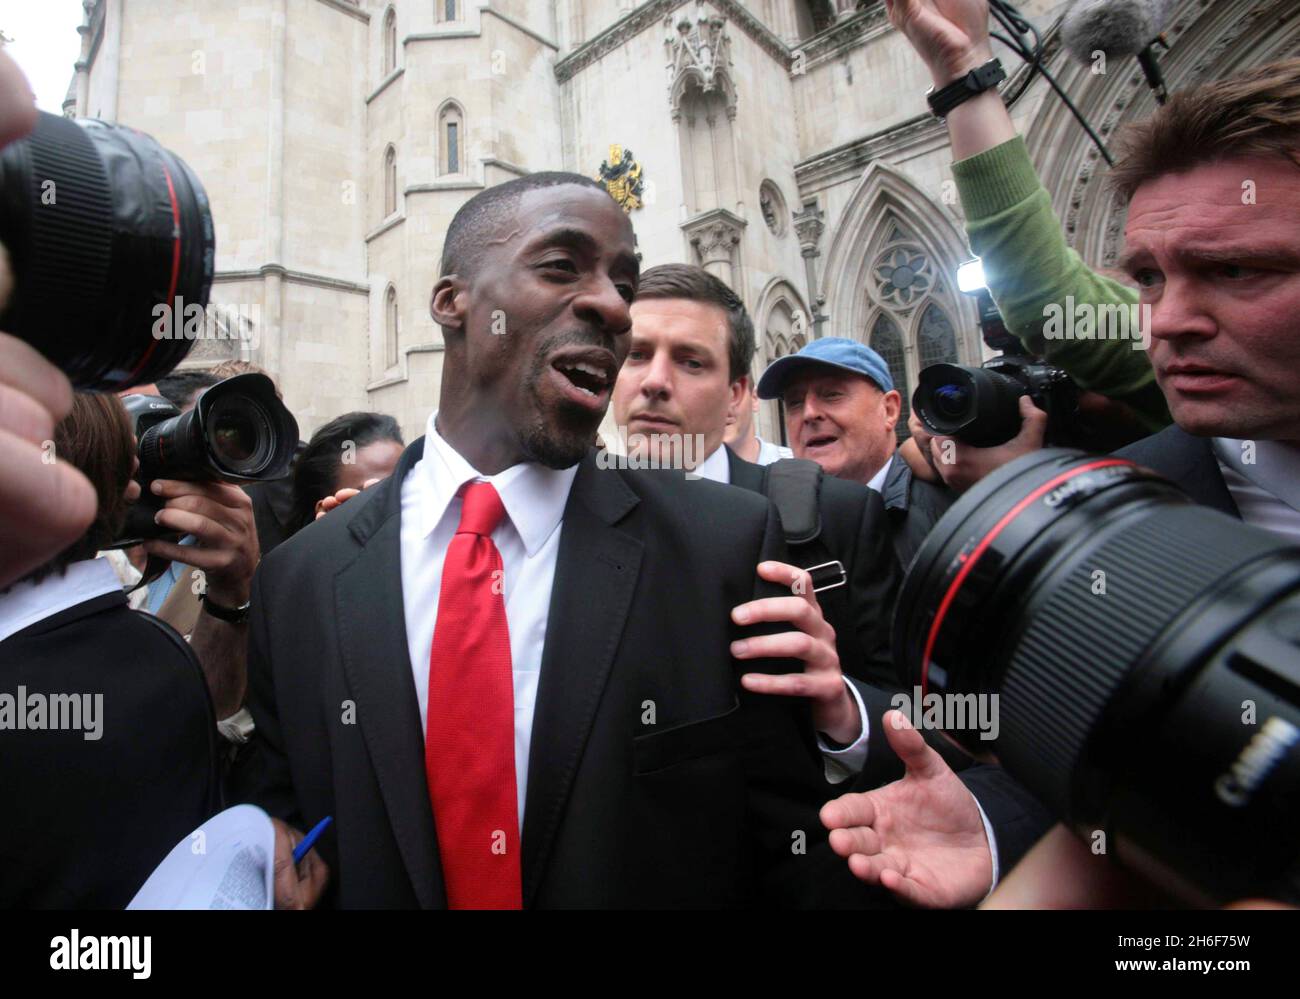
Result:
[[969, 562], [176, 268]]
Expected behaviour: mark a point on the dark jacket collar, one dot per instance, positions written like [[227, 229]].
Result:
[[744, 473], [1188, 461]]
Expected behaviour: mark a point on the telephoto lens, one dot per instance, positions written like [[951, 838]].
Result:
[[238, 431], [103, 226], [1145, 656]]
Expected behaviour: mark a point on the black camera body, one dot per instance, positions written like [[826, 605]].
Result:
[[238, 431], [980, 406]]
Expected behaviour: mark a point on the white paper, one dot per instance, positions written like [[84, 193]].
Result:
[[224, 864]]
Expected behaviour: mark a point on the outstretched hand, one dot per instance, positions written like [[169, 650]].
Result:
[[921, 837]]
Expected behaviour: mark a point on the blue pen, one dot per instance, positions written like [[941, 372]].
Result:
[[310, 839]]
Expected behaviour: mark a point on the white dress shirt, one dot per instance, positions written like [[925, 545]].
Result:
[[1265, 489], [27, 603], [769, 452], [877, 481], [528, 539]]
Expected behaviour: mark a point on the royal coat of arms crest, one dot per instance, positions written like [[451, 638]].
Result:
[[621, 177]]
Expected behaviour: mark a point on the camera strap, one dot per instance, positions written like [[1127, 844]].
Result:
[[794, 486]]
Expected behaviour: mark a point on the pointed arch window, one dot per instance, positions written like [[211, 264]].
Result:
[[390, 327], [390, 41], [887, 341], [390, 181], [936, 340], [451, 139]]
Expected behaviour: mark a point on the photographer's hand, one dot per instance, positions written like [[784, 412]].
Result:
[[921, 837], [916, 451], [220, 516], [963, 465]]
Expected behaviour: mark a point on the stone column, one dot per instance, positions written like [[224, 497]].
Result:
[[808, 225], [715, 236]]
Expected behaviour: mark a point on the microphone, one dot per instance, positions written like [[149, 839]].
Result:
[[1118, 28]]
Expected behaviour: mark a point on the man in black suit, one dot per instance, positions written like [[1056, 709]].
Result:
[[643, 775], [686, 377], [687, 370]]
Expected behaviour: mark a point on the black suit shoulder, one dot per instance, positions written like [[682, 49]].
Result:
[[102, 804]]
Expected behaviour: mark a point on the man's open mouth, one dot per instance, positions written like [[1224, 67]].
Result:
[[824, 440], [586, 377]]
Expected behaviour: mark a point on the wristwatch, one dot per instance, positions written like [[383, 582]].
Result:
[[237, 615], [963, 88]]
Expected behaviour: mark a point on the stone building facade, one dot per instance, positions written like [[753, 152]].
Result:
[[783, 144]]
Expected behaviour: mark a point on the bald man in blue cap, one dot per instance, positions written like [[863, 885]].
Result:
[[841, 409]]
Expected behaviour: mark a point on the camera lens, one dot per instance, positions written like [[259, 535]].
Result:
[[976, 405], [239, 434], [103, 227], [1143, 651], [951, 401]]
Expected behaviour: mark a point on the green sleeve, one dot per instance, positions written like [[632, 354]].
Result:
[[1029, 268]]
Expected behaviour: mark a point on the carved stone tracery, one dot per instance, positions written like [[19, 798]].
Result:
[[699, 55]]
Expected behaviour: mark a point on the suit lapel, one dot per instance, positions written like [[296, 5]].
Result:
[[595, 575], [377, 665]]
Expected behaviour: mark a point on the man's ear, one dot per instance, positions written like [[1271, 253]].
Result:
[[893, 407], [446, 305], [739, 397]]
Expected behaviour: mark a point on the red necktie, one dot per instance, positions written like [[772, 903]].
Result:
[[469, 750]]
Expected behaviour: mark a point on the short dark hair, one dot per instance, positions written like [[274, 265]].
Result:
[[180, 387], [1252, 113], [470, 229], [695, 284], [315, 474], [95, 437]]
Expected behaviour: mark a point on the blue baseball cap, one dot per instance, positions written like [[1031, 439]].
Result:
[[829, 352]]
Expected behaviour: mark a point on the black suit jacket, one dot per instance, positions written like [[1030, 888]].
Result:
[[854, 531], [714, 804], [87, 821], [1187, 461]]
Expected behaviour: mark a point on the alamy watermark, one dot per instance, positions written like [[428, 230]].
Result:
[[1089, 321], [183, 320], [950, 712], [30, 712], [684, 452], [102, 953]]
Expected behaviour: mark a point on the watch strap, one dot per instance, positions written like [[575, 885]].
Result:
[[962, 89]]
